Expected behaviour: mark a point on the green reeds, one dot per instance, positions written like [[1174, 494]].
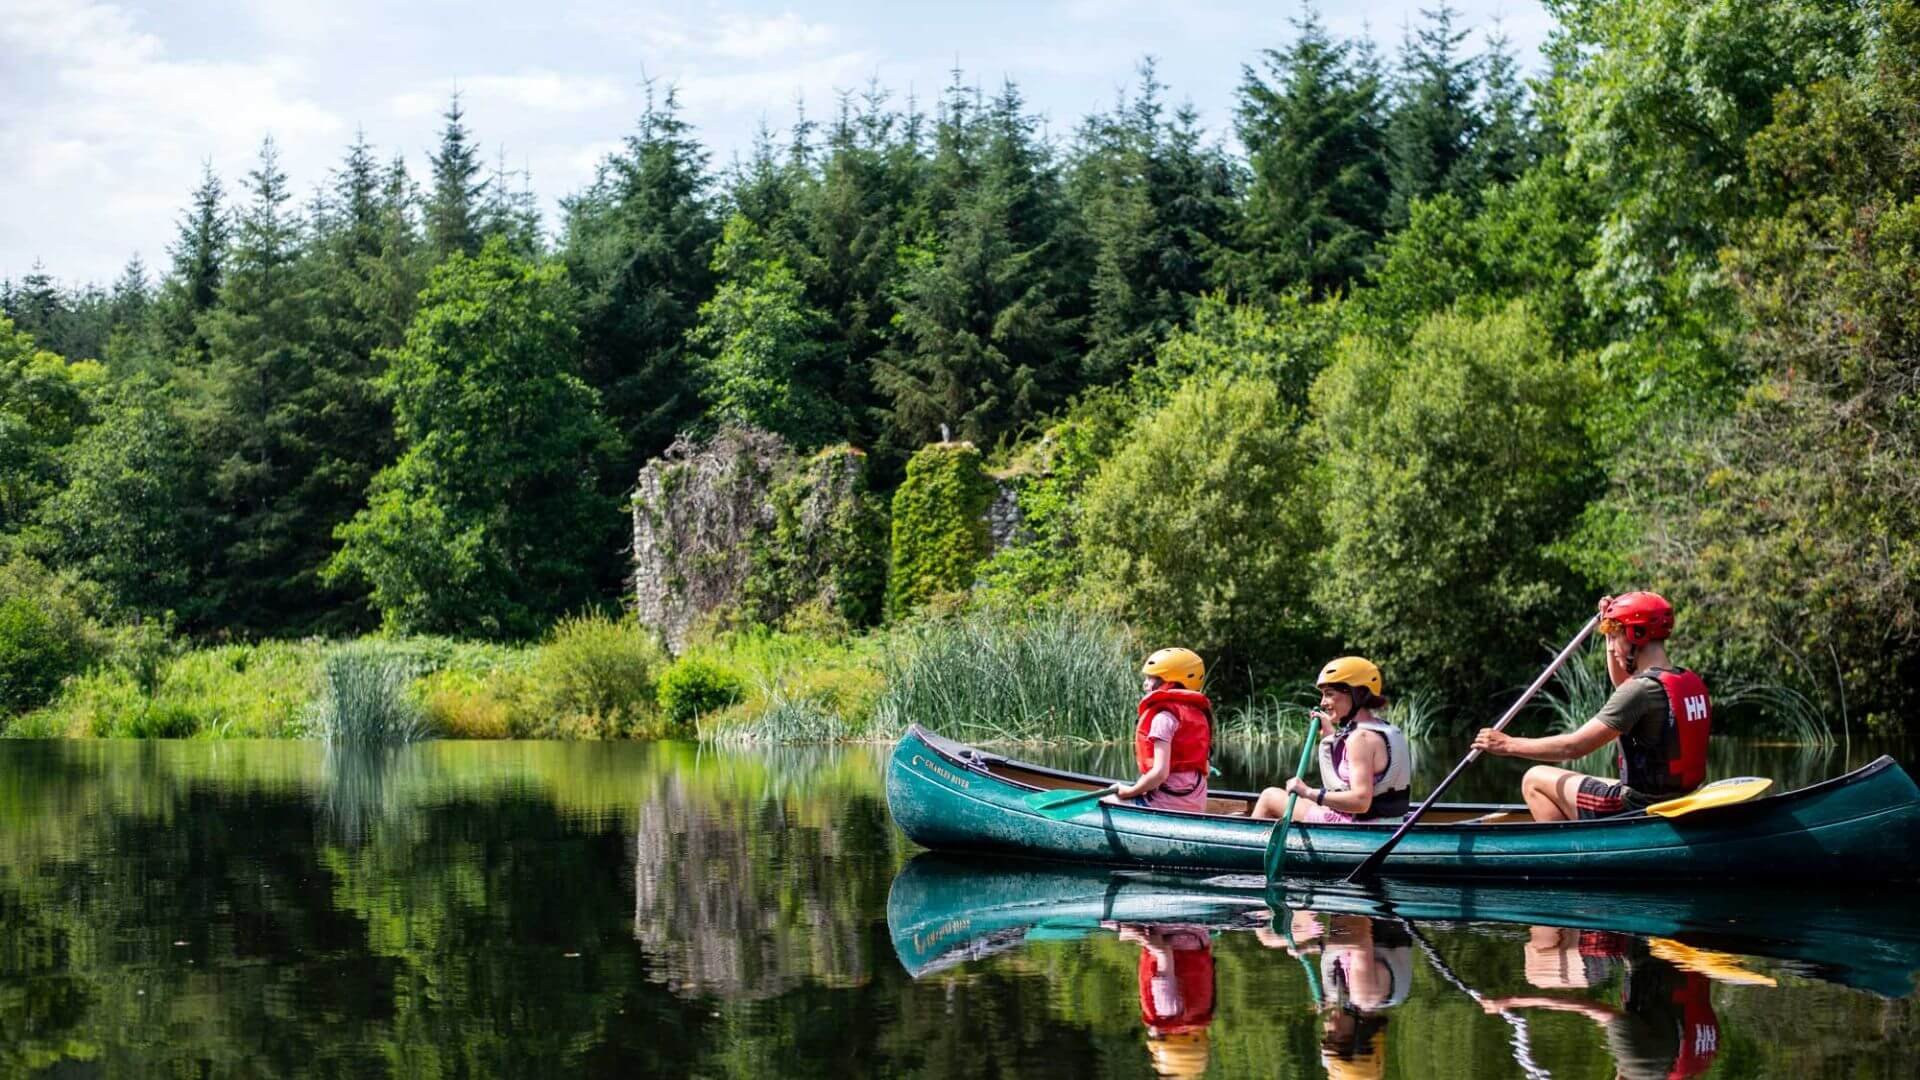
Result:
[[1267, 718], [1055, 676], [787, 718], [364, 699], [1418, 714]]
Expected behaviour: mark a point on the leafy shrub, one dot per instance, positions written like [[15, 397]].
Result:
[[1054, 675], [1200, 530], [465, 705], [593, 676], [939, 526], [1452, 468], [36, 655], [46, 635], [365, 701], [695, 685]]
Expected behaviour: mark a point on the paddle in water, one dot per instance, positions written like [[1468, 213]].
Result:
[[1371, 862], [1055, 804], [1277, 839]]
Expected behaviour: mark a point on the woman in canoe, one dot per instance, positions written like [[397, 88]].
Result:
[[1173, 738], [1366, 767], [1660, 714]]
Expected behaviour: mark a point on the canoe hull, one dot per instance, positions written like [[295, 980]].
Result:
[[1862, 826]]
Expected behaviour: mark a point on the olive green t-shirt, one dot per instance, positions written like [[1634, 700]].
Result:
[[1637, 709]]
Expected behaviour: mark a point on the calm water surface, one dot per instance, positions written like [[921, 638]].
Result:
[[544, 909]]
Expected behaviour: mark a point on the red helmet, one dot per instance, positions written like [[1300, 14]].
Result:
[[1642, 616]]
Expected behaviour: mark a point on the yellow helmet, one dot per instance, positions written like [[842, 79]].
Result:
[[1181, 1054], [1182, 666], [1369, 1064], [1352, 671]]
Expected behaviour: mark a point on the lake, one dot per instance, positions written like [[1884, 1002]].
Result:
[[626, 909]]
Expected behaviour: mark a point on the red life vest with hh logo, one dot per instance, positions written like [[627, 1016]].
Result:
[[1676, 763], [1699, 1028], [1192, 739]]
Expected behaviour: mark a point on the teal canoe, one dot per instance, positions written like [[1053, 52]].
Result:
[[945, 910], [1862, 826]]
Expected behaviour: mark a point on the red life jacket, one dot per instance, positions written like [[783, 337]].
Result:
[[1192, 739], [1699, 1028], [1193, 974], [1677, 762]]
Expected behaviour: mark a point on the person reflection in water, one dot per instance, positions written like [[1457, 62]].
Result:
[[1176, 993], [1664, 1026], [1366, 968]]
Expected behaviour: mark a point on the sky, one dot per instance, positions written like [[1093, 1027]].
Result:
[[108, 110]]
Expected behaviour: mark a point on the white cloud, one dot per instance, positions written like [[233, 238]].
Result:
[[538, 91], [745, 37], [117, 106], [774, 88]]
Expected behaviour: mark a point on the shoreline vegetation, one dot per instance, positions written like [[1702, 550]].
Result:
[[930, 410], [984, 676]]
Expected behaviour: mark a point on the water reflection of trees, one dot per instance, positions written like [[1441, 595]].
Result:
[[741, 891]]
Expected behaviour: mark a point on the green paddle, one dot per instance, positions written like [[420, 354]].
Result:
[[1055, 805], [1277, 839]]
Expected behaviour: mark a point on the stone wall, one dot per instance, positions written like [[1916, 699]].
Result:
[[742, 527], [695, 511]]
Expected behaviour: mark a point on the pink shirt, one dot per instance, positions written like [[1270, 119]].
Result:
[[1161, 731]]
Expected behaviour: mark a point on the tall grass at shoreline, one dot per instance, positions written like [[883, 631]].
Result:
[[365, 700], [1058, 676]]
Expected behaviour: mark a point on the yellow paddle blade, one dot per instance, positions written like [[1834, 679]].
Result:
[[1718, 966], [1718, 793]]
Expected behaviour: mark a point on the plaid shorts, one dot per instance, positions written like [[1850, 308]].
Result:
[[1599, 798]]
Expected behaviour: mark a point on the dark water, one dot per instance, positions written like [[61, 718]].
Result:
[[229, 909]]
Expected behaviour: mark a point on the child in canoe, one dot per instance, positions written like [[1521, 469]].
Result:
[[1173, 738], [1366, 767]]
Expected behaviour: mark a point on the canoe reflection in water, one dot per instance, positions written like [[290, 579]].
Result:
[[1664, 1025], [1643, 965], [1366, 968]]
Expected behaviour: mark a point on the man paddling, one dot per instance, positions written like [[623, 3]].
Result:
[[1661, 715]]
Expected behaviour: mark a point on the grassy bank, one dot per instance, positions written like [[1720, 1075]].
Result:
[[987, 676]]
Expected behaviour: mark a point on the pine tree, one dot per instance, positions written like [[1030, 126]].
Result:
[[510, 211], [986, 326], [1156, 205], [852, 221], [398, 270], [133, 316], [639, 244], [1436, 119], [36, 308], [454, 208], [132, 295], [1315, 142], [1508, 143], [249, 415], [199, 269]]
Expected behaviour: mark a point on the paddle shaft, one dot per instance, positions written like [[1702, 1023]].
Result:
[[1277, 839], [1522, 1044], [1367, 865], [1076, 797]]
